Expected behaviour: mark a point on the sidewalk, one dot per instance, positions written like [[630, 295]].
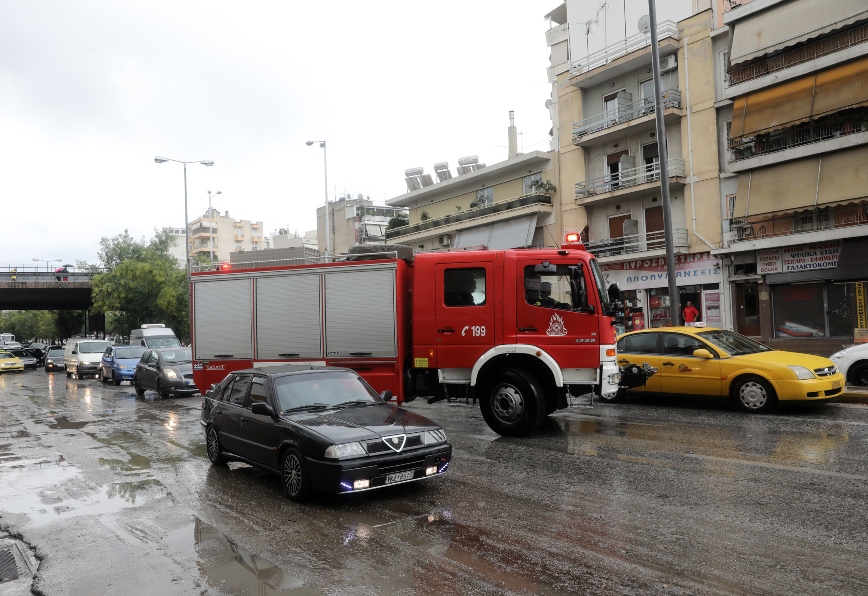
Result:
[[854, 395]]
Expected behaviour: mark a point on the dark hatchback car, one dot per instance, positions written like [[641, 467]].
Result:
[[322, 429], [167, 371], [54, 358]]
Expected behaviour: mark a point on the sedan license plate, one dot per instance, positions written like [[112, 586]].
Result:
[[836, 384], [399, 477]]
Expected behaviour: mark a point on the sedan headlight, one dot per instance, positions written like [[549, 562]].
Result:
[[433, 437], [123, 366], [345, 451], [170, 374], [802, 373]]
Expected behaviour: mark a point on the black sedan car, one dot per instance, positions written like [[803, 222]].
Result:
[[54, 359], [322, 429], [167, 371]]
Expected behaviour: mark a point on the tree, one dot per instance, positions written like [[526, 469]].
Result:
[[141, 283]]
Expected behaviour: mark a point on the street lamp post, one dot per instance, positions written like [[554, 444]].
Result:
[[47, 261], [204, 162], [211, 224], [322, 145]]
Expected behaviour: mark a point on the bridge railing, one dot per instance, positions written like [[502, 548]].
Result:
[[26, 273]]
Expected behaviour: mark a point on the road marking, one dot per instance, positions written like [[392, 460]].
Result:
[[762, 464]]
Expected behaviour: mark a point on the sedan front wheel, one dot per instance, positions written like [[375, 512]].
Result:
[[293, 474], [215, 453], [755, 395]]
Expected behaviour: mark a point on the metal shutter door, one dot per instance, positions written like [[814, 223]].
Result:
[[288, 317], [223, 319], [360, 313]]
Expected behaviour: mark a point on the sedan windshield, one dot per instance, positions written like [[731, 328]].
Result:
[[56, 352], [6, 355], [89, 347], [131, 352], [179, 356], [733, 343], [322, 390], [162, 342]]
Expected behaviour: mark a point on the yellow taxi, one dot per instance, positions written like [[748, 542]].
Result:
[[716, 362], [10, 362]]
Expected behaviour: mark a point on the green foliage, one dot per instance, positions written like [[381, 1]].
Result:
[[30, 324], [544, 187], [141, 284], [399, 221], [69, 322], [424, 216]]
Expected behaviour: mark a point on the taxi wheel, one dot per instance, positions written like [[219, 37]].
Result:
[[859, 374], [754, 394], [513, 404], [293, 476]]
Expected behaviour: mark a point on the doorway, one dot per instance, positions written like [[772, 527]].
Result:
[[746, 303]]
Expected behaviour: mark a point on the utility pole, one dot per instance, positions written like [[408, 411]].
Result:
[[663, 150]]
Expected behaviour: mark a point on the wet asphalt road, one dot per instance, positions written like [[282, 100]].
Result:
[[115, 496]]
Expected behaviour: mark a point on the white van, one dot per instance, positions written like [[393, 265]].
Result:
[[154, 335], [82, 356]]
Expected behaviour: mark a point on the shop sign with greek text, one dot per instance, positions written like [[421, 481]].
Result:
[[806, 257], [690, 269]]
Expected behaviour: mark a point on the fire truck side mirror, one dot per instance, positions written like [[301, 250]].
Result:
[[614, 293]]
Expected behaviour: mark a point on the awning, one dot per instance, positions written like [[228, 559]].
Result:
[[784, 187], [797, 101], [785, 25], [844, 176], [510, 233]]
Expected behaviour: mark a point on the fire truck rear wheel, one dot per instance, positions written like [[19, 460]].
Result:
[[513, 404]]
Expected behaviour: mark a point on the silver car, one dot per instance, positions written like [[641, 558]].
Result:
[[29, 360]]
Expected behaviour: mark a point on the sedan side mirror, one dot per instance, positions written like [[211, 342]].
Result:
[[702, 353], [386, 395], [261, 408]]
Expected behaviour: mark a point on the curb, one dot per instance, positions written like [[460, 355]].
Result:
[[854, 395]]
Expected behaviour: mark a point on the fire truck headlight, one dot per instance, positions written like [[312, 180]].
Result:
[[345, 451], [614, 378]]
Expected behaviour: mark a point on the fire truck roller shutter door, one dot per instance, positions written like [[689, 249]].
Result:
[[288, 316], [223, 310], [518, 349], [360, 313]]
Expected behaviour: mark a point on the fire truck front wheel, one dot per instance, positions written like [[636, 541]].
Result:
[[513, 404]]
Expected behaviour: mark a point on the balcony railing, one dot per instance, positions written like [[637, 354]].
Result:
[[470, 214], [627, 178], [768, 225], [625, 113], [830, 45], [634, 43], [636, 243], [848, 123]]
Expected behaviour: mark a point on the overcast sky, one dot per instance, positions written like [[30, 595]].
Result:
[[91, 91]]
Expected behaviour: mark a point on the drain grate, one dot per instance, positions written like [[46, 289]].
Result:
[[8, 566]]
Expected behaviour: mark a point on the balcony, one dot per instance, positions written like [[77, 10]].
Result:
[[239, 236], [773, 225], [498, 211], [587, 130], [203, 230], [255, 225], [629, 182], [256, 239], [811, 51], [624, 55], [838, 126], [557, 34], [637, 243]]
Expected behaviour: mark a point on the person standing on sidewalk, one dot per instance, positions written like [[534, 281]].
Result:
[[690, 314]]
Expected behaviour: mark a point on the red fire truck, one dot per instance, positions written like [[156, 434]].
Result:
[[515, 329]]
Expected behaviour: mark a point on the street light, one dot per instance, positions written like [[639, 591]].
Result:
[[204, 162], [322, 145], [211, 224], [47, 261]]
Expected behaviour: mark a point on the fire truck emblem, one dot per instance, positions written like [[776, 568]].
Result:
[[556, 326]]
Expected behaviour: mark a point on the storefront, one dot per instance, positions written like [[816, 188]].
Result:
[[644, 286], [805, 298]]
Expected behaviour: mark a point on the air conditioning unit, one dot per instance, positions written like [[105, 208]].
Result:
[[444, 240], [668, 63]]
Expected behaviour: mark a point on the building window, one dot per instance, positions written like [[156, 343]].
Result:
[[528, 181], [238, 247], [464, 287], [813, 310], [730, 205], [239, 231]]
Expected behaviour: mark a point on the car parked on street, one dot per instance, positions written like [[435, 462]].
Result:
[[119, 363], [10, 362], [28, 359], [167, 371], [82, 356], [53, 358], [716, 362], [853, 364], [323, 429]]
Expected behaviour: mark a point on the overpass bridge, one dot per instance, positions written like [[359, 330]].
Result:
[[27, 288]]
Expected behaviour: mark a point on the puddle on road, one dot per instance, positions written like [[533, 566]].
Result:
[[62, 422], [231, 568], [136, 462]]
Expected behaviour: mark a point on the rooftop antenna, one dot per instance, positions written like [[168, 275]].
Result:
[[645, 24]]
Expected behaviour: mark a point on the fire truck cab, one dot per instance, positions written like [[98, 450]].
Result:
[[517, 330]]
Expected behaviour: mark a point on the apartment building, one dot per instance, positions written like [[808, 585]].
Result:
[[504, 205], [283, 238], [604, 131], [223, 235], [353, 222], [176, 249], [792, 97]]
